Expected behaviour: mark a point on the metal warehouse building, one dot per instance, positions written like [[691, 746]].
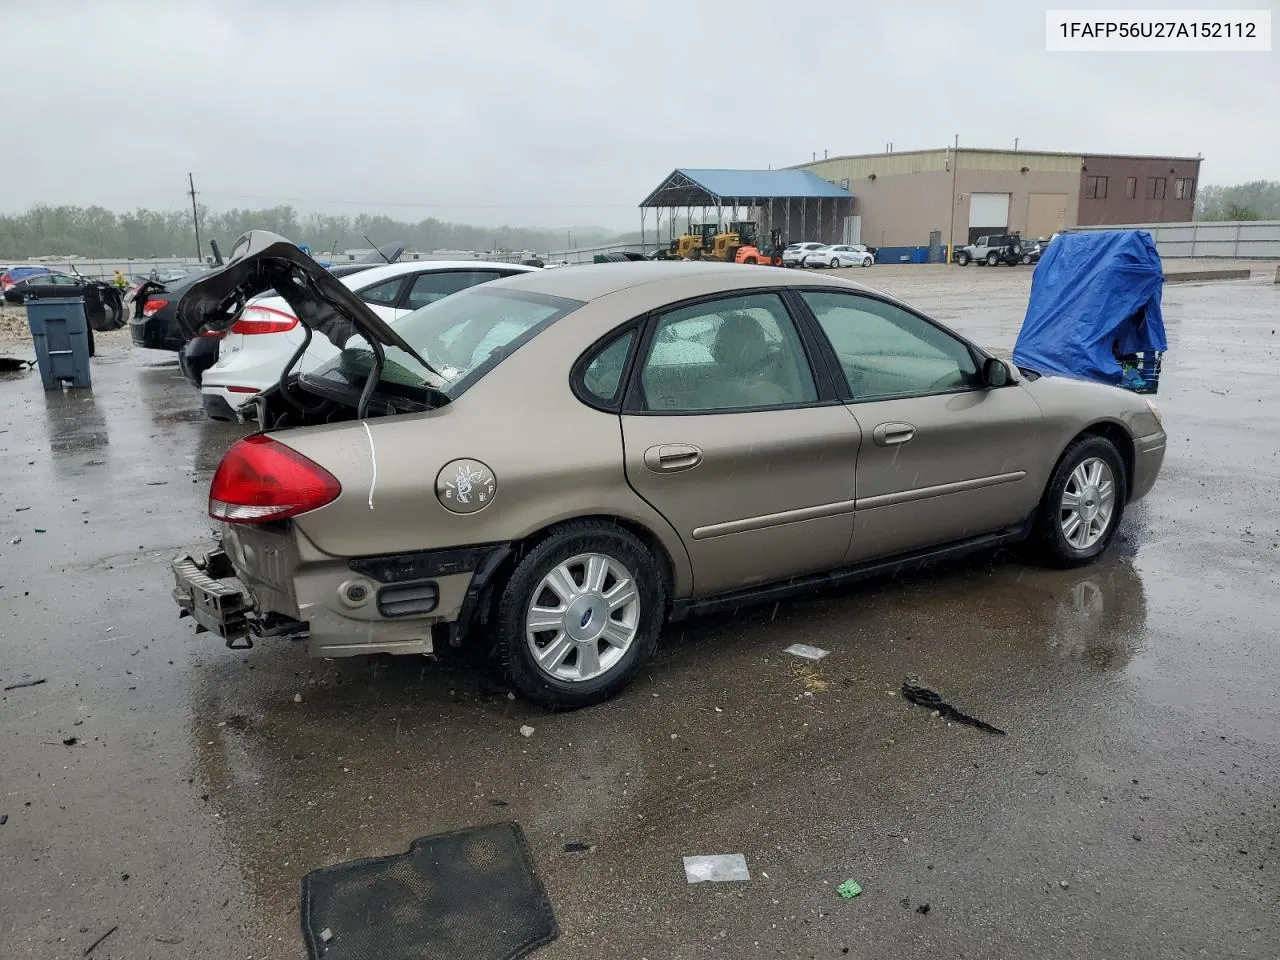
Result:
[[919, 198]]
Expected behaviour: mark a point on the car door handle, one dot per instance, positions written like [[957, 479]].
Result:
[[672, 457], [892, 434]]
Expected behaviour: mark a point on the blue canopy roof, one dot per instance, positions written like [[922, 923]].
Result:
[[689, 187], [1094, 296]]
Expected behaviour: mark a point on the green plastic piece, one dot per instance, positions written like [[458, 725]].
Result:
[[849, 889]]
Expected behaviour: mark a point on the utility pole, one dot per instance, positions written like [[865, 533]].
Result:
[[951, 230], [1015, 144], [195, 216]]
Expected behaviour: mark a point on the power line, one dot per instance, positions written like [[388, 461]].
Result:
[[410, 203]]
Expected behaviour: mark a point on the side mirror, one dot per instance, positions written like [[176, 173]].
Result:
[[995, 373]]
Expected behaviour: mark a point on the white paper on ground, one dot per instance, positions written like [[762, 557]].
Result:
[[724, 866], [806, 651]]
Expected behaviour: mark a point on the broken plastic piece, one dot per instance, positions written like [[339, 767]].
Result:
[[717, 868], [806, 652], [326, 934], [849, 889], [526, 731]]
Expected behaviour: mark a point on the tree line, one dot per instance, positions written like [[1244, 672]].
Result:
[[98, 232], [1256, 200]]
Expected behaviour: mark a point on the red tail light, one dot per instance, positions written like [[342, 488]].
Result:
[[154, 306], [264, 320], [260, 480]]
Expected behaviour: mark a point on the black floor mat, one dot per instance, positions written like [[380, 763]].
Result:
[[471, 894]]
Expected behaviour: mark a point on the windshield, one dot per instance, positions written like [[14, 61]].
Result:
[[462, 336]]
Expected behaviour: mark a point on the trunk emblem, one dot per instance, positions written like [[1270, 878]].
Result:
[[465, 486]]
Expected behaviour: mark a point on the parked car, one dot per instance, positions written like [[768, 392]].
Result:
[[16, 292], [1030, 251], [794, 253], [992, 250], [839, 255], [253, 353], [17, 274], [518, 465], [152, 324]]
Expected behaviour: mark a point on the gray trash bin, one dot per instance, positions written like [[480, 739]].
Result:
[[61, 334]]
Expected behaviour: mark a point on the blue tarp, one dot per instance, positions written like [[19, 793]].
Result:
[[1093, 296]]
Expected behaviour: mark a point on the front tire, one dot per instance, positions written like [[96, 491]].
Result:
[[867, 261], [962, 259], [580, 615], [1082, 506]]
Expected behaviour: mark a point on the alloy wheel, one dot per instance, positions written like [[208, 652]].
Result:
[[1088, 503], [582, 617]]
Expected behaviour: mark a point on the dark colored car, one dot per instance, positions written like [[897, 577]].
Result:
[[17, 291], [13, 275], [153, 324]]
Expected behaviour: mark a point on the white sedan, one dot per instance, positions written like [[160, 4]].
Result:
[[839, 255], [261, 342], [794, 254]]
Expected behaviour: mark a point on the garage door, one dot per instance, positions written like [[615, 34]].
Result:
[[988, 213], [1046, 214]]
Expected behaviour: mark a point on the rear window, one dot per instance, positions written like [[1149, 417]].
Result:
[[463, 337]]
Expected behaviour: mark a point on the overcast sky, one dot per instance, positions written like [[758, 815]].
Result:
[[567, 112]]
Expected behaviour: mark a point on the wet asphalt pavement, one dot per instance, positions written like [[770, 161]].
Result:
[[1131, 810]]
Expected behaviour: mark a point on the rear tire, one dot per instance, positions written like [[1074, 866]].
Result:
[[835, 263], [627, 606], [751, 260], [993, 259], [1078, 515]]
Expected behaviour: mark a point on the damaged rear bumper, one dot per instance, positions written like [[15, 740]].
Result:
[[205, 590], [260, 584]]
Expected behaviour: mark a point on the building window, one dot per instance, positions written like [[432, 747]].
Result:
[[1155, 188], [1095, 188], [1184, 189], [844, 183], [1131, 188]]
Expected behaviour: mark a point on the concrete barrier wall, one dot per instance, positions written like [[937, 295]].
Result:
[[1229, 240]]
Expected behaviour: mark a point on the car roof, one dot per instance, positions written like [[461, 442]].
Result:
[[388, 270], [587, 282]]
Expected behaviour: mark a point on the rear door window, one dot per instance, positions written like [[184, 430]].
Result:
[[437, 284]]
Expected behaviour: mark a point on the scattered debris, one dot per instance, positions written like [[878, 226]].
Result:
[[326, 934], [70, 741], [21, 509], [15, 540], [806, 652], [923, 909], [169, 940], [718, 868], [498, 803], [4, 818], [94, 946], [40, 530], [1063, 884], [577, 848], [26, 683], [924, 697], [526, 731], [849, 889], [156, 483], [811, 678]]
